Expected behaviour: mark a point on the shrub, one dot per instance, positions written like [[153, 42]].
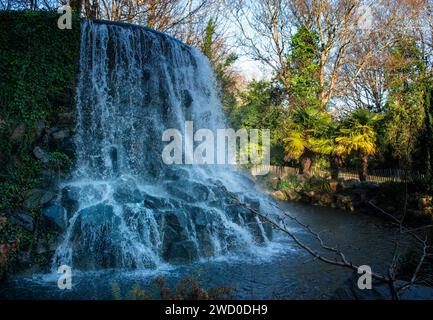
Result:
[[188, 288]]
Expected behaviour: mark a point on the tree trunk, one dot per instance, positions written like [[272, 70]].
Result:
[[306, 162], [335, 167], [76, 5], [363, 171]]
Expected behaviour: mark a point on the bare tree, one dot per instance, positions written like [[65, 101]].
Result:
[[266, 28], [177, 17], [265, 31]]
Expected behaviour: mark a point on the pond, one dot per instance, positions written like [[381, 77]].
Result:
[[280, 270]]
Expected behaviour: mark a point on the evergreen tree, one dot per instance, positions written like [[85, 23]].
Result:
[[305, 68]]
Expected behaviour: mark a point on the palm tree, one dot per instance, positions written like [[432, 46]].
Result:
[[300, 136], [358, 135], [326, 145]]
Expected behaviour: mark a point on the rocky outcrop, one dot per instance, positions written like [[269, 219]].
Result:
[[22, 218], [37, 198], [92, 247], [127, 192], [57, 215]]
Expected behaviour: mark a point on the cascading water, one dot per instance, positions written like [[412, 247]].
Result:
[[126, 208]]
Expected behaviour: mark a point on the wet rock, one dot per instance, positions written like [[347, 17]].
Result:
[[175, 173], [256, 230], [176, 246], [345, 203], [41, 155], [66, 119], [203, 218], [159, 203], [57, 215], [189, 191], [127, 192], [182, 252], [326, 199], [206, 248], [274, 183], [18, 132], [200, 191], [177, 191], [267, 228], [21, 218], [222, 196], [425, 205], [334, 186], [47, 246], [97, 238], [70, 199], [279, 195], [252, 203], [178, 222], [186, 99], [50, 179], [60, 135], [204, 222], [292, 195], [97, 215], [237, 213], [174, 229], [37, 198], [40, 129]]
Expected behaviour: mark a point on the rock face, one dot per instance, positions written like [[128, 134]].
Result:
[[90, 239], [176, 227], [22, 218], [127, 192], [280, 195], [37, 198], [57, 215], [40, 154]]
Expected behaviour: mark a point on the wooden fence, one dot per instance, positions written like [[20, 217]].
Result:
[[379, 175]]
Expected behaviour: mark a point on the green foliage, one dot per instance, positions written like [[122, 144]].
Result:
[[60, 161], [317, 184], [38, 64], [405, 112], [289, 183], [261, 108], [15, 179], [208, 39], [304, 135], [358, 133], [305, 70], [222, 67]]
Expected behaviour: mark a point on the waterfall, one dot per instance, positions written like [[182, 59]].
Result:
[[126, 208]]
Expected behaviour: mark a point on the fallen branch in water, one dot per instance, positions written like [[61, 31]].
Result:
[[390, 279]]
